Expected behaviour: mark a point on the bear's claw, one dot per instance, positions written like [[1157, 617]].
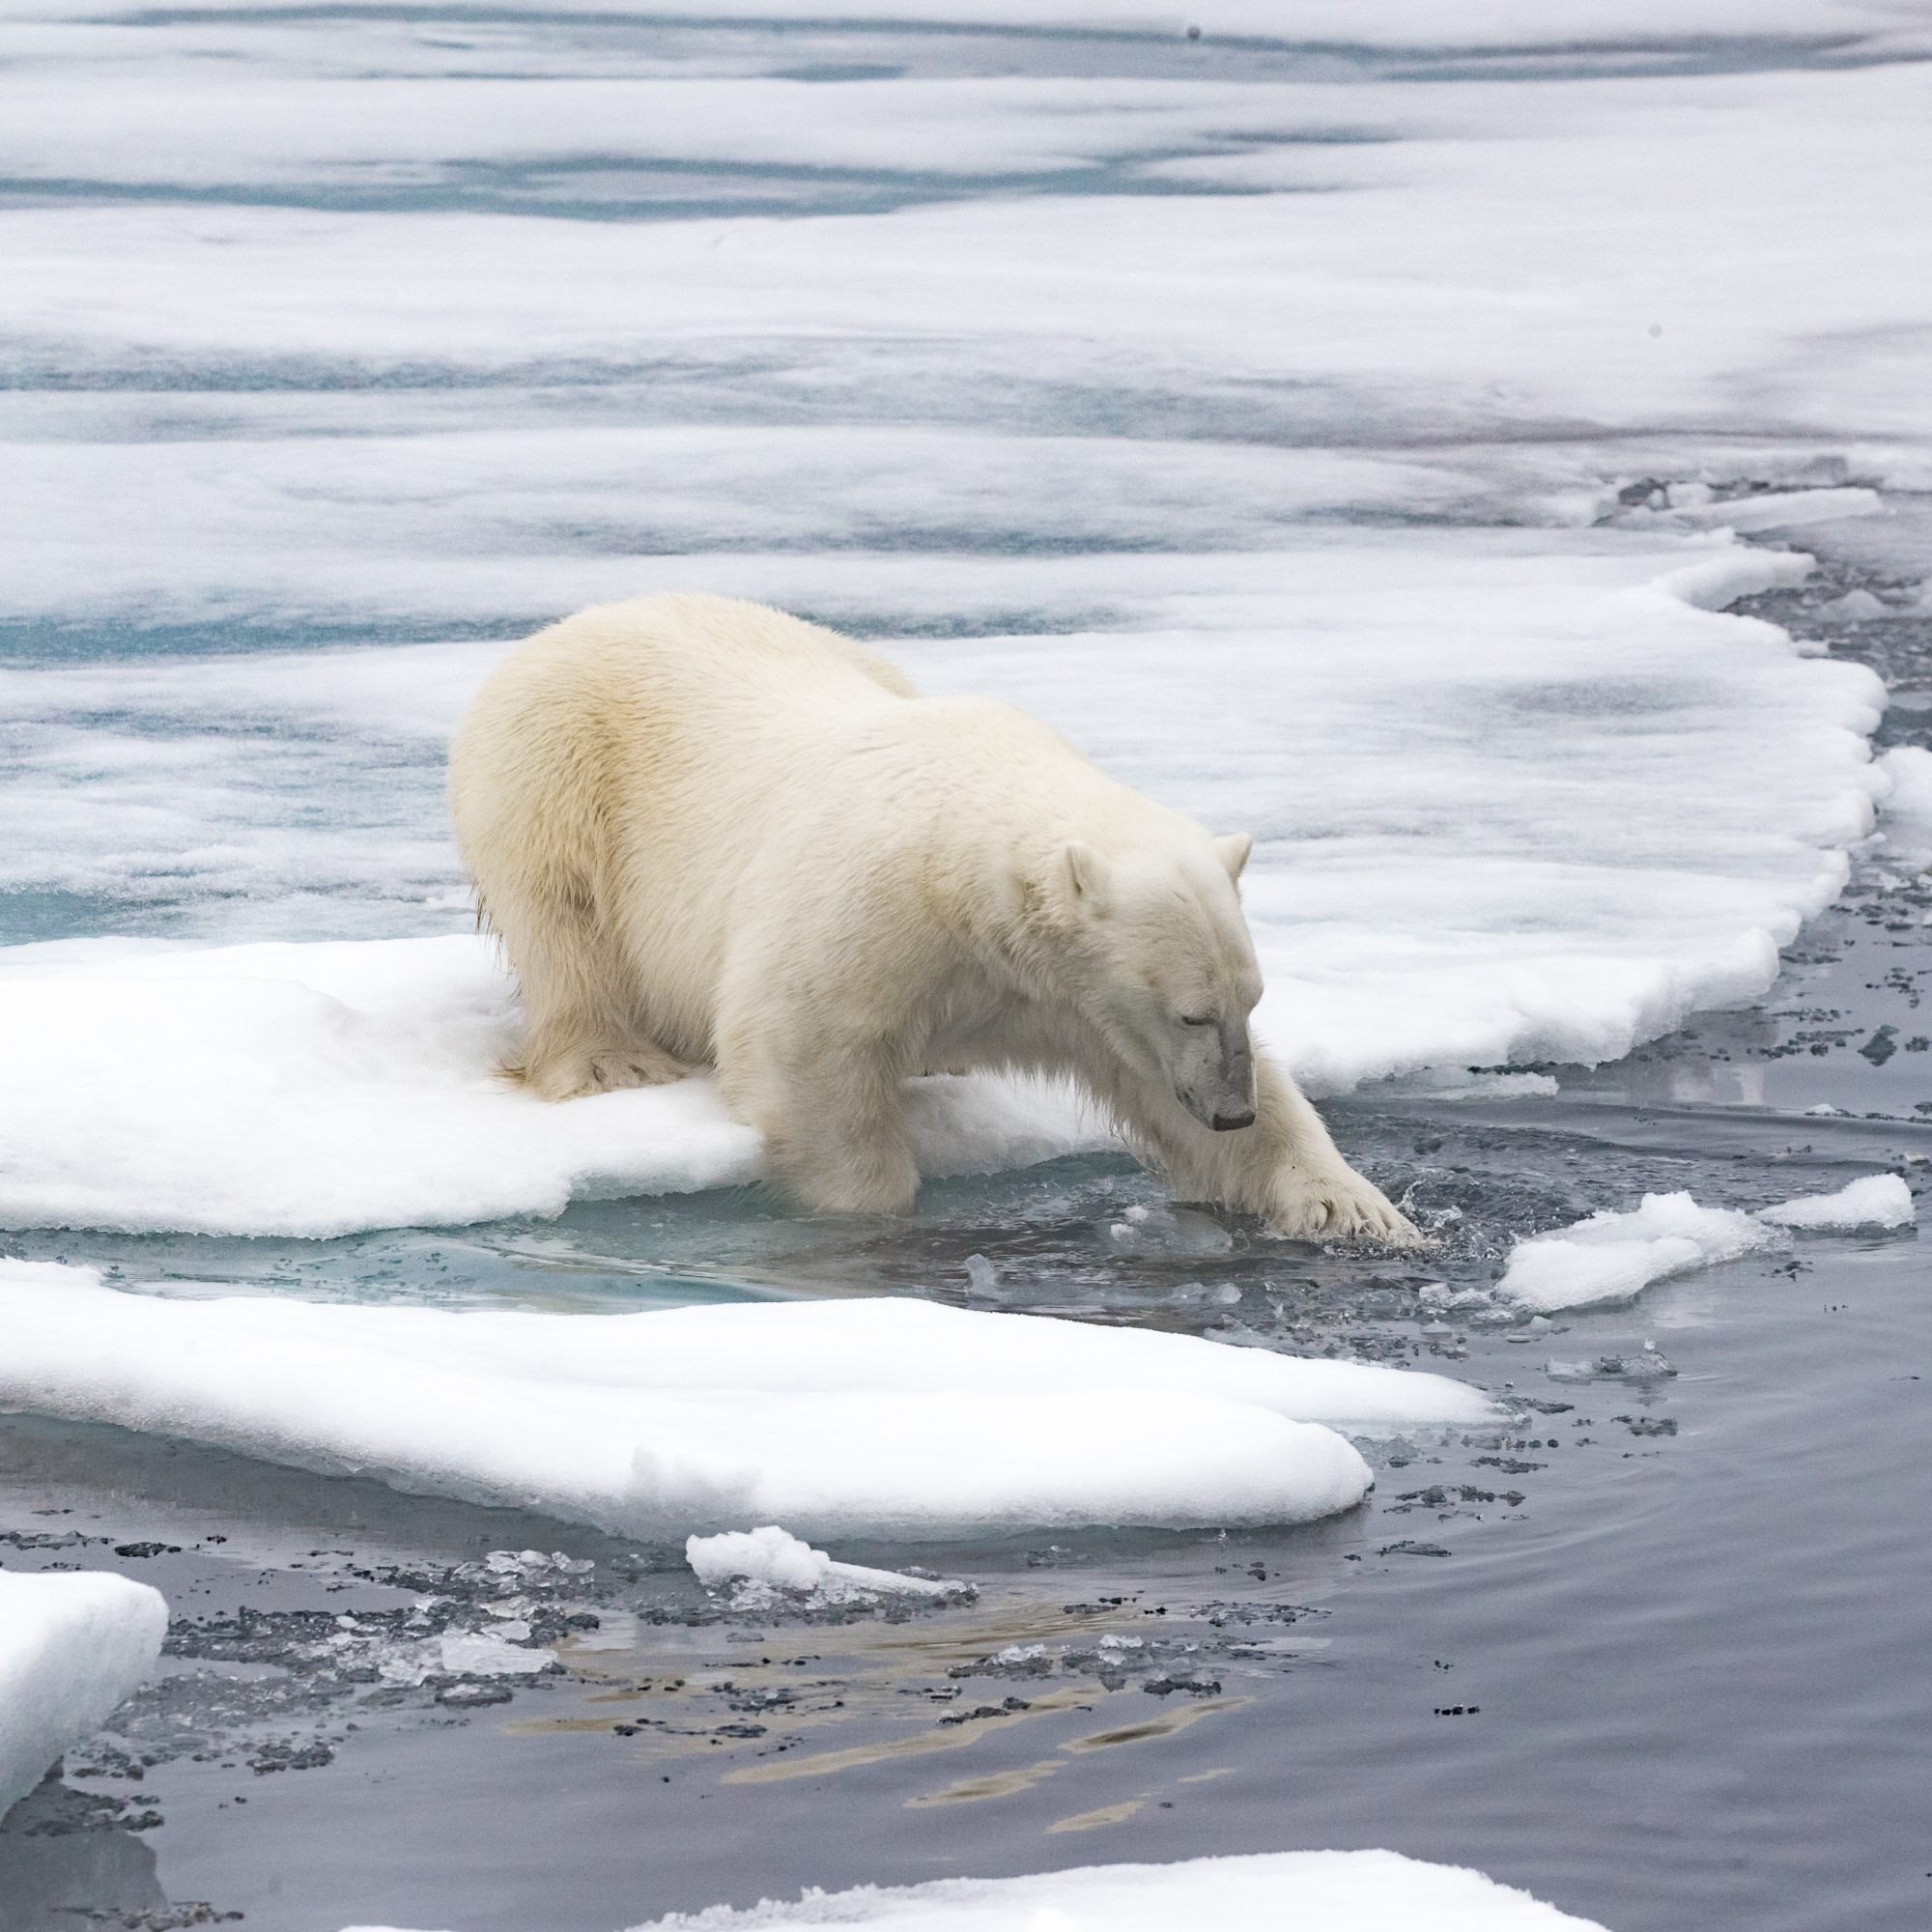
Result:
[[1339, 1207]]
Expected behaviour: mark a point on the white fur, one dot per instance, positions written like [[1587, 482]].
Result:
[[711, 835]]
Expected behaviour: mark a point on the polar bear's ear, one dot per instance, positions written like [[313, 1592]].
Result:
[[1234, 850], [1086, 875]]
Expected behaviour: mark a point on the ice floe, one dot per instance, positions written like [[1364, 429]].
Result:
[[769, 1565], [1062, 380], [1613, 1257], [836, 1417], [71, 1648], [313, 1090], [1872, 1201], [1523, 811], [1266, 1891]]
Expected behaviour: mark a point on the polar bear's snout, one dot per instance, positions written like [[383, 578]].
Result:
[[1218, 1077]]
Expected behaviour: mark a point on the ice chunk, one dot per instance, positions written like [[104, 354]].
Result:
[[1613, 1257], [488, 1653], [895, 1416], [1857, 607], [1907, 807], [1266, 1891], [769, 1561], [1873, 1200], [72, 1647]]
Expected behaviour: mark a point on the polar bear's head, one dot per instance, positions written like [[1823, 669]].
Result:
[[1163, 964]]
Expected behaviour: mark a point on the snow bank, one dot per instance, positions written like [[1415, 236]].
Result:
[[768, 1561], [72, 1647], [890, 1417], [1613, 1257], [1270, 1891], [1873, 1200]]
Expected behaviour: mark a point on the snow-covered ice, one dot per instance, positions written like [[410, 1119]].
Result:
[[1511, 802], [313, 1090], [1872, 1201], [834, 1417], [1270, 422], [1266, 1891], [72, 1647], [769, 1563], [1613, 1257]]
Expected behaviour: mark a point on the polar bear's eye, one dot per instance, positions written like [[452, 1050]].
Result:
[[1202, 1019]]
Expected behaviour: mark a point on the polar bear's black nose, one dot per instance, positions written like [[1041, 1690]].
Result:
[[1227, 1123]]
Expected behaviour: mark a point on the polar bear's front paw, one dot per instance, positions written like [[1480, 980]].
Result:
[[1337, 1204]]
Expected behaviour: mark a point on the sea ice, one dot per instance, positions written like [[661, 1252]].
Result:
[[1086, 400], [894, 1417], [1522, 813], [1872, 1201], [72, 1647], [1266, 1891], [486, 1654], [1613, 1257], [768, 1561], [1906, 811], [314, 1089]]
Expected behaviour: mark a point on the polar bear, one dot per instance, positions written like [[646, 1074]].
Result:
[[711, 835]]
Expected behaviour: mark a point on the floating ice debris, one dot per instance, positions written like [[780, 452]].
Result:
[[486, 1654], [1312, 1891], [1906, 810], [982, 1276], [72, 1647], [1873, 1200], [1646, 1365], [1858, 606], [1613, 1257], [1169, 1231], [895, 1416], [769, 1565], [534, 1563]]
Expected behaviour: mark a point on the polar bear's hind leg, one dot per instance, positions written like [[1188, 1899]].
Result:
[[579, 1035]]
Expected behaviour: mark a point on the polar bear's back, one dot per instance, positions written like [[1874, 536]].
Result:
[[686, 698], [619, 772]]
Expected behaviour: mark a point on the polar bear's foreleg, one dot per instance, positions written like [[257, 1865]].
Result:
[[833, 1121], [1294, 1175], [1285, 1167]]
